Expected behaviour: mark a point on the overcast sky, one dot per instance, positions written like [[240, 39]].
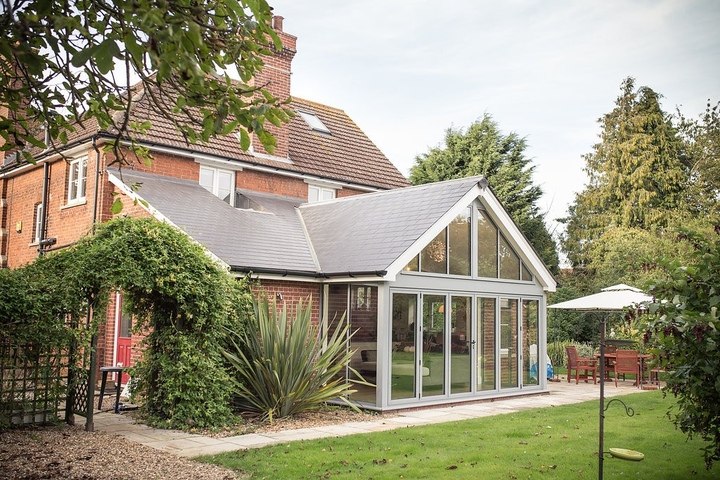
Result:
[[407, 70]]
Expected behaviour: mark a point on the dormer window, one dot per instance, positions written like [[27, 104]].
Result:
[[219, 182], [319, 194], [313, 121]]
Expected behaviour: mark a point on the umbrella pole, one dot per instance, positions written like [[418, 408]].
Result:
[[602, 397]]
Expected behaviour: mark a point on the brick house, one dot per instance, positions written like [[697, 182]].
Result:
[[446, 295]]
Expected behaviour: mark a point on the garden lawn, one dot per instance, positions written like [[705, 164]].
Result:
[[556, 442]]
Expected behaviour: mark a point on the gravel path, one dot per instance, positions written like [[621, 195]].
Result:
[[70, 453]]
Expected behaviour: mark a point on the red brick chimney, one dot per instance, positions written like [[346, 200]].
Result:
[[275, 78]]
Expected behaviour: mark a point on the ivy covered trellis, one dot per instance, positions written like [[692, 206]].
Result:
[[181, 299]]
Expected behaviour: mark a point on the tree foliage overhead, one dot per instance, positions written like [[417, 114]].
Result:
[[483, 149], [636, 177], [66, 64]]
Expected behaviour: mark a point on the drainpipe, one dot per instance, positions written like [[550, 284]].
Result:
[[43, 219], [97, 181]]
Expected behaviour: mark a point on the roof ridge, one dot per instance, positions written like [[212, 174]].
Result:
[[475, 179]]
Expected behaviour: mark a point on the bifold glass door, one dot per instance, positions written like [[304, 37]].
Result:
[[444, 344]]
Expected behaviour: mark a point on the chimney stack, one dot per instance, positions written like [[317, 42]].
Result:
[[275, 78]]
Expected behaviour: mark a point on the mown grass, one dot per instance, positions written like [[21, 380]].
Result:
[[556, 442]]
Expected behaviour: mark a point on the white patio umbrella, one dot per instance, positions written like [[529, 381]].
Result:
[[610, 299]]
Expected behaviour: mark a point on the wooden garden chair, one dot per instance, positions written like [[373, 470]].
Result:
[[577, 363]]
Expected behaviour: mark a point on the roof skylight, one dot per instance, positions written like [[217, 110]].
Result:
[[313, 121]]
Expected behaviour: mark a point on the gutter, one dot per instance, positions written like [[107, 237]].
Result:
[[308, 274]]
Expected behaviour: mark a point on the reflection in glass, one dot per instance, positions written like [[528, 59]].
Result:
[[433, 258], [508, 342], [460, 361], [402, 356], [509, 261], [460, 244], [487, 247], [433, 358], [486, 344], [533, 367]]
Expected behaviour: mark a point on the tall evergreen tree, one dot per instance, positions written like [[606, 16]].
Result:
[[701, 140], [482, 149], [636, 177]]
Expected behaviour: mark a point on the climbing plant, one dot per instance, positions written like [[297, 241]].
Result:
[[181, 299]]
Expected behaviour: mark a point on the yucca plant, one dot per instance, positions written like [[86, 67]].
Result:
[[283, 367]]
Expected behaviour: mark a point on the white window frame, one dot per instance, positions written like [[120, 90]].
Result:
[[77, 181], [215, 187], [321, 193], [38, 223]]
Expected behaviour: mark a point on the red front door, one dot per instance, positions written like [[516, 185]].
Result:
[[124, 345]]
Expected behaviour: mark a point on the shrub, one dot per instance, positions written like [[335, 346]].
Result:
[[686, 337], [283, 367]]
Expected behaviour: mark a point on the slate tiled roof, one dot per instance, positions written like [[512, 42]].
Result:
[[244, 239], [353, 235], [366, 233]]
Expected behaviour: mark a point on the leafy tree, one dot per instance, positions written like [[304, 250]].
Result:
[[66, 65], [686, 335], [483, 149], [701, 140], [636, 178]]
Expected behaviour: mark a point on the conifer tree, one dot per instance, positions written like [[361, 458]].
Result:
[[483, 149]]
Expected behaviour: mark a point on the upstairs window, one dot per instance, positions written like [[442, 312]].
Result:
[[77, 179], [37, 231], [220, 183], [318, 194]]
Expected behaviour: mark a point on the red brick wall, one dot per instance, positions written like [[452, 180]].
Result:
[[67, 223], [291, 293]]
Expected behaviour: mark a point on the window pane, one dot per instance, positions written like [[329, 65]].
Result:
[[402, 359], [313, 194], [486, 344], [433, 359], [328, 194], [487, 247], [363, 321], [532, 367], [82, 178], [526, 275], [207, 178], [508, 342], [433, 257], [225, 186], [509, 261], [38, 222], [72, 189], [412, 265], [460, 359], [460, 244]]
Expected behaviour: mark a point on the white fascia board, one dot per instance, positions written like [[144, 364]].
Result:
[[157, 215], [412, 252], [72, 153], [518, 241]]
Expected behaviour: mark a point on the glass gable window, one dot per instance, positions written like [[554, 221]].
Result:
[[220, 183], [451, 251]]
